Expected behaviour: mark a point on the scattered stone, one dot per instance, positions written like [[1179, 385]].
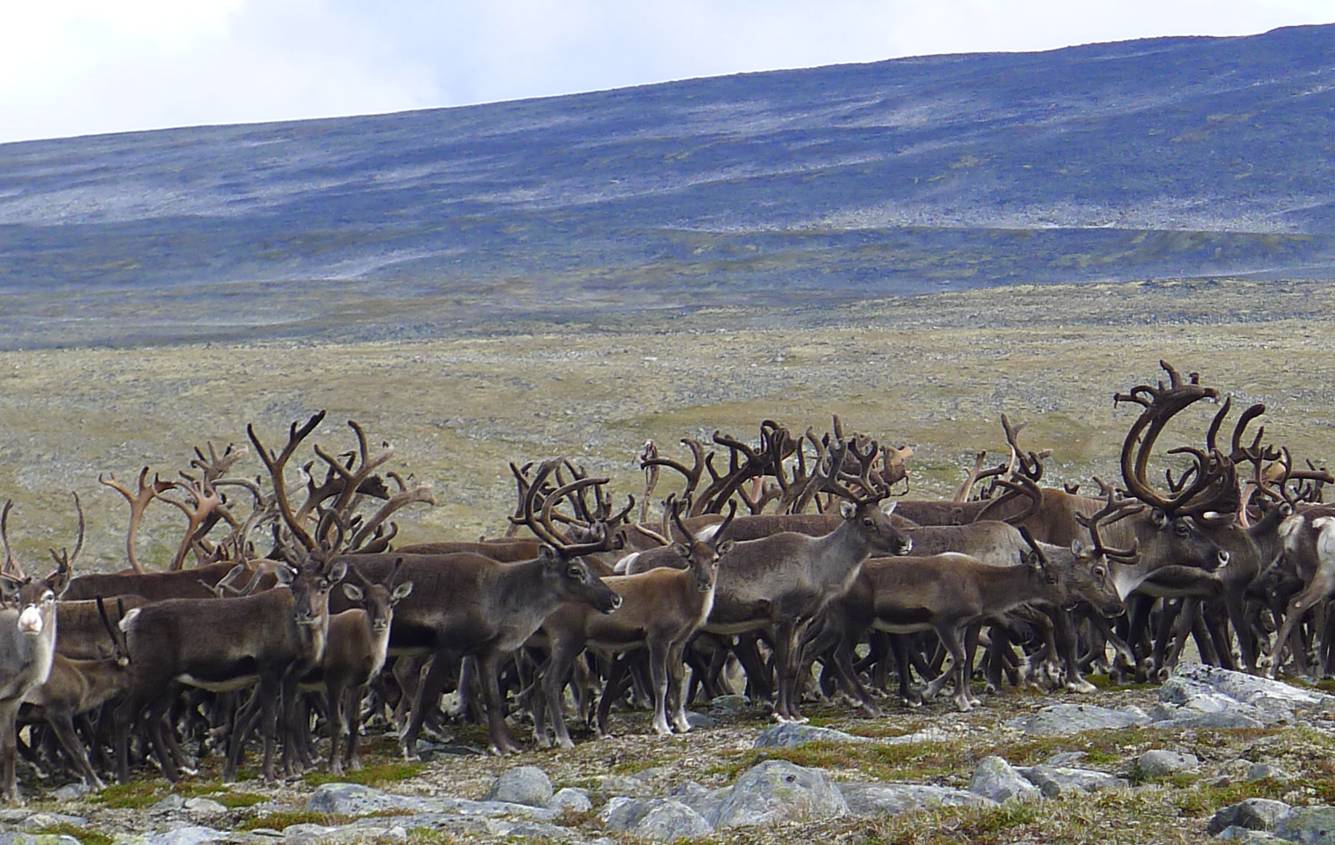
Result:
[[187, 835], [1248, 837], [622, 813], [170, 804], [1063, 719], [668, 820], [998, 780], [1066, 758], [1187, 718], [777, 790], [621, 785], [700, 720], [875, 799], [1158, 762], [1265, 771], [352, 799], [571, 800], [703, 800], [13, 837], [932, 734], [1252, 814], [1308, 825], [71, 791], [789, 734], [1056, 781], [38, 821], [204, 807], [1252, 690], [730, 705], [526, 785]]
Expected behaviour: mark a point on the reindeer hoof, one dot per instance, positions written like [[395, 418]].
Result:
[[1162, 675]]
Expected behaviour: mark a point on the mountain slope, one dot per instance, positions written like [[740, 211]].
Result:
[[1163, 157]]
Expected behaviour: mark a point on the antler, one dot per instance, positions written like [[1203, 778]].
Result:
[[542, 527], [206, 501], [1020, 485], [865, 455], [1161, 404], [421, 494], [138, 501], [1112, 510], [275, 462], [64, 558], [11, 566], [215, 466]]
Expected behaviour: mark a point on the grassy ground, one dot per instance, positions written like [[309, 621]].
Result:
[[1172, 809], [934, 372]]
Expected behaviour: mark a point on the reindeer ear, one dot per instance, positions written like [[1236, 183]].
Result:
[[547, 554], [848, 510], [402, 591], [285, 574], [336, 572], [890, 508], [725, 547], [682, 549], [1077, 547], [353, 592], [1159, 518]]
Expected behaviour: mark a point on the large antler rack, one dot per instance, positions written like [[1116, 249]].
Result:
[[275, 462], [1212, 477], [539, 518], [864, 453]]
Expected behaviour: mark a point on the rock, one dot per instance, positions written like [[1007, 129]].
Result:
[[526, 785], [1066, 758], [1265, 771], [700, 720], [622, 813], [170, 804], [622, 785], [570, 800], [1252, 814], [1308, 825], [998, 780], [204, 807], [730, 705], [71, 791], [1056, 781], [1187, 718], [703, 800], [1158, 762], [38, 821], [668, 820], [932, 734], [188, 835], [352, 799], [13, 837], [314, 834], [1249, 837], [1063, 719], [777, 790], [790, 734], [874, 799], [1261, 693]]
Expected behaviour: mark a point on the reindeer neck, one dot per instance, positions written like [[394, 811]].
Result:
[[837, 556], [521, 590]]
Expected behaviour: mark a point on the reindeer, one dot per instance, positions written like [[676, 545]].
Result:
[[358, 645], [660, 611], [467, 605], [27, 640]]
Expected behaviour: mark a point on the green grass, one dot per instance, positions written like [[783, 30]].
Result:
[[284, 819], [83, 834], [134, 795], [374, 774]]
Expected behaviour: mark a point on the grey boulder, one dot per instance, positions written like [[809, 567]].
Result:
[[1158, 762], [1056, 781], [1252, 814], [876, 799], [775, 791], [997, 780], [1064, 719], [791, 734], [1308, 825], [526, 785]]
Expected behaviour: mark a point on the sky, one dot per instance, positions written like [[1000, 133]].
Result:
[[79, 67]]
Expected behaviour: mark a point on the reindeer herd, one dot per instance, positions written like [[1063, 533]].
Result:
[[777, 569]]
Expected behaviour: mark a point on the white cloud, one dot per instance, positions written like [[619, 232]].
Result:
[[86, 66]]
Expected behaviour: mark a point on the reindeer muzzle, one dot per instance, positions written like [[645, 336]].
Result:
[[30, 621]]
